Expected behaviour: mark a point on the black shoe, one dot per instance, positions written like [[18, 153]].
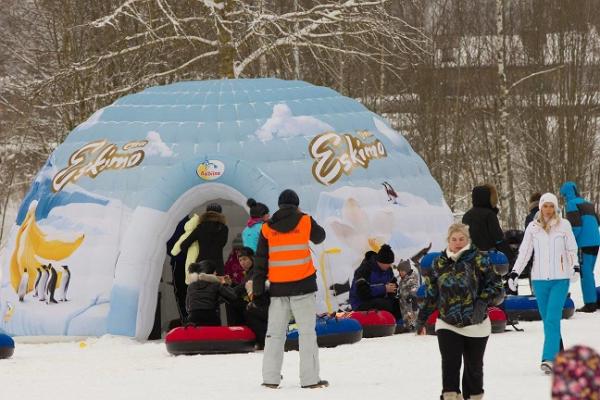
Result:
[[270, 385], [318, 385], [588, 308]]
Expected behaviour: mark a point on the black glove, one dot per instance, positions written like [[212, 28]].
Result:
[[513, 281], [479, 312]]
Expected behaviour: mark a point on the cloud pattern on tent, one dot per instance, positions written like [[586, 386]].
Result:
[[123, 179]]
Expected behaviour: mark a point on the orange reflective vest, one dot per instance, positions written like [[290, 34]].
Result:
[[289, 254]]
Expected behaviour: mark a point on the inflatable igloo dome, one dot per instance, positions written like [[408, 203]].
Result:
[[100, 211]]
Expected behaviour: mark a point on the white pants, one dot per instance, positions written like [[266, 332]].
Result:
[[303, 308]]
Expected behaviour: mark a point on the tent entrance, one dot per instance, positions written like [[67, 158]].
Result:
[[167, 313]]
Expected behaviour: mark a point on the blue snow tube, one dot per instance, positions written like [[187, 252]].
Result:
[[331, 332], [524, 308], [499, 262], [7, 346], [598, 293]]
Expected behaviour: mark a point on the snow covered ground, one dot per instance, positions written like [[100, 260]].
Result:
[[398, 367]]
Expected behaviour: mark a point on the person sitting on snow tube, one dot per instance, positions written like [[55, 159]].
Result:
[[374, 286], [205, 292], [255, 313]]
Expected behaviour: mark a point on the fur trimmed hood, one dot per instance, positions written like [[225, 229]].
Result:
[[212, 216], [202, 277]]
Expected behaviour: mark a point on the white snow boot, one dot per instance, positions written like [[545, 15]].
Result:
[[476, 397], [547, 367]]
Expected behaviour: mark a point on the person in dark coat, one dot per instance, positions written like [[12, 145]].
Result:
[[178, 270], [534, 208], [374, 286], [205, 292], [246, 312], [211, 235], [482, 219]]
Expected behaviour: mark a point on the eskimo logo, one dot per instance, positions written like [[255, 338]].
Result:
[[96, 157], [336, 154], [209, 170]]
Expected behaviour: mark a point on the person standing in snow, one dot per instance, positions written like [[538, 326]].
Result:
[[407, 293], [584, 222], [374, 286], [211, 235], [259, 214], [461, 285], [482, 219], [534, 208], [551, 241], [284, 257]]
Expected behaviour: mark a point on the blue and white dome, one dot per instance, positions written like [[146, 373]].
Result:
[[111, 195]]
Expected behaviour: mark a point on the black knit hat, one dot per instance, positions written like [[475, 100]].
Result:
[[288, 196], [204, 267], [257, 210], [216, 207], [246, 252], [385, 255]]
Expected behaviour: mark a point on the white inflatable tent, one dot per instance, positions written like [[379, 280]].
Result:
[[111, 195]]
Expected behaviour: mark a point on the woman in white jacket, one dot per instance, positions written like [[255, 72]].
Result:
[[550, 238]]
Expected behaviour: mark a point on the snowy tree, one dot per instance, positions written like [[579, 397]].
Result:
[[158, 41]]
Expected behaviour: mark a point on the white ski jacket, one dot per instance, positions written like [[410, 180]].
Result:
[[554, 252]]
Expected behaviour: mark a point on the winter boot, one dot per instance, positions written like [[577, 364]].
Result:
[[270, 385], [451, 396], [318, 385], [476, 397], [547, 367], [588, 308]]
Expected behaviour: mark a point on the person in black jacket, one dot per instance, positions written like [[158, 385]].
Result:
[[374, 286], [534, 207], [284, 256], [250, 313], [482, 219], [205, 292], [211, 235]]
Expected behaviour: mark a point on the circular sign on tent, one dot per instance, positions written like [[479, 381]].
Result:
[[210, 170]]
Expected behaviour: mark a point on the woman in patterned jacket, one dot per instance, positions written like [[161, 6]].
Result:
[[461, 285]]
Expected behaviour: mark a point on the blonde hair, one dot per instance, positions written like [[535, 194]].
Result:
[[547, 224], [460, 228]]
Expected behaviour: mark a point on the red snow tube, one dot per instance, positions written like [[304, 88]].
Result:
[[498, 319], [375, 323], [210, 340]]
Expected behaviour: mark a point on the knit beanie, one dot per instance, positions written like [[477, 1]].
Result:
[[404, 266], [257, 210], [214, 207], [576, 374], [549, 198], [288, 196], [385, 255]]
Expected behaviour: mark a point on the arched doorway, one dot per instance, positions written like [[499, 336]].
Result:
[[236, 217]]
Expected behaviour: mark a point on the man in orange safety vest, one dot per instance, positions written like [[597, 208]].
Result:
[[283, 257]]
